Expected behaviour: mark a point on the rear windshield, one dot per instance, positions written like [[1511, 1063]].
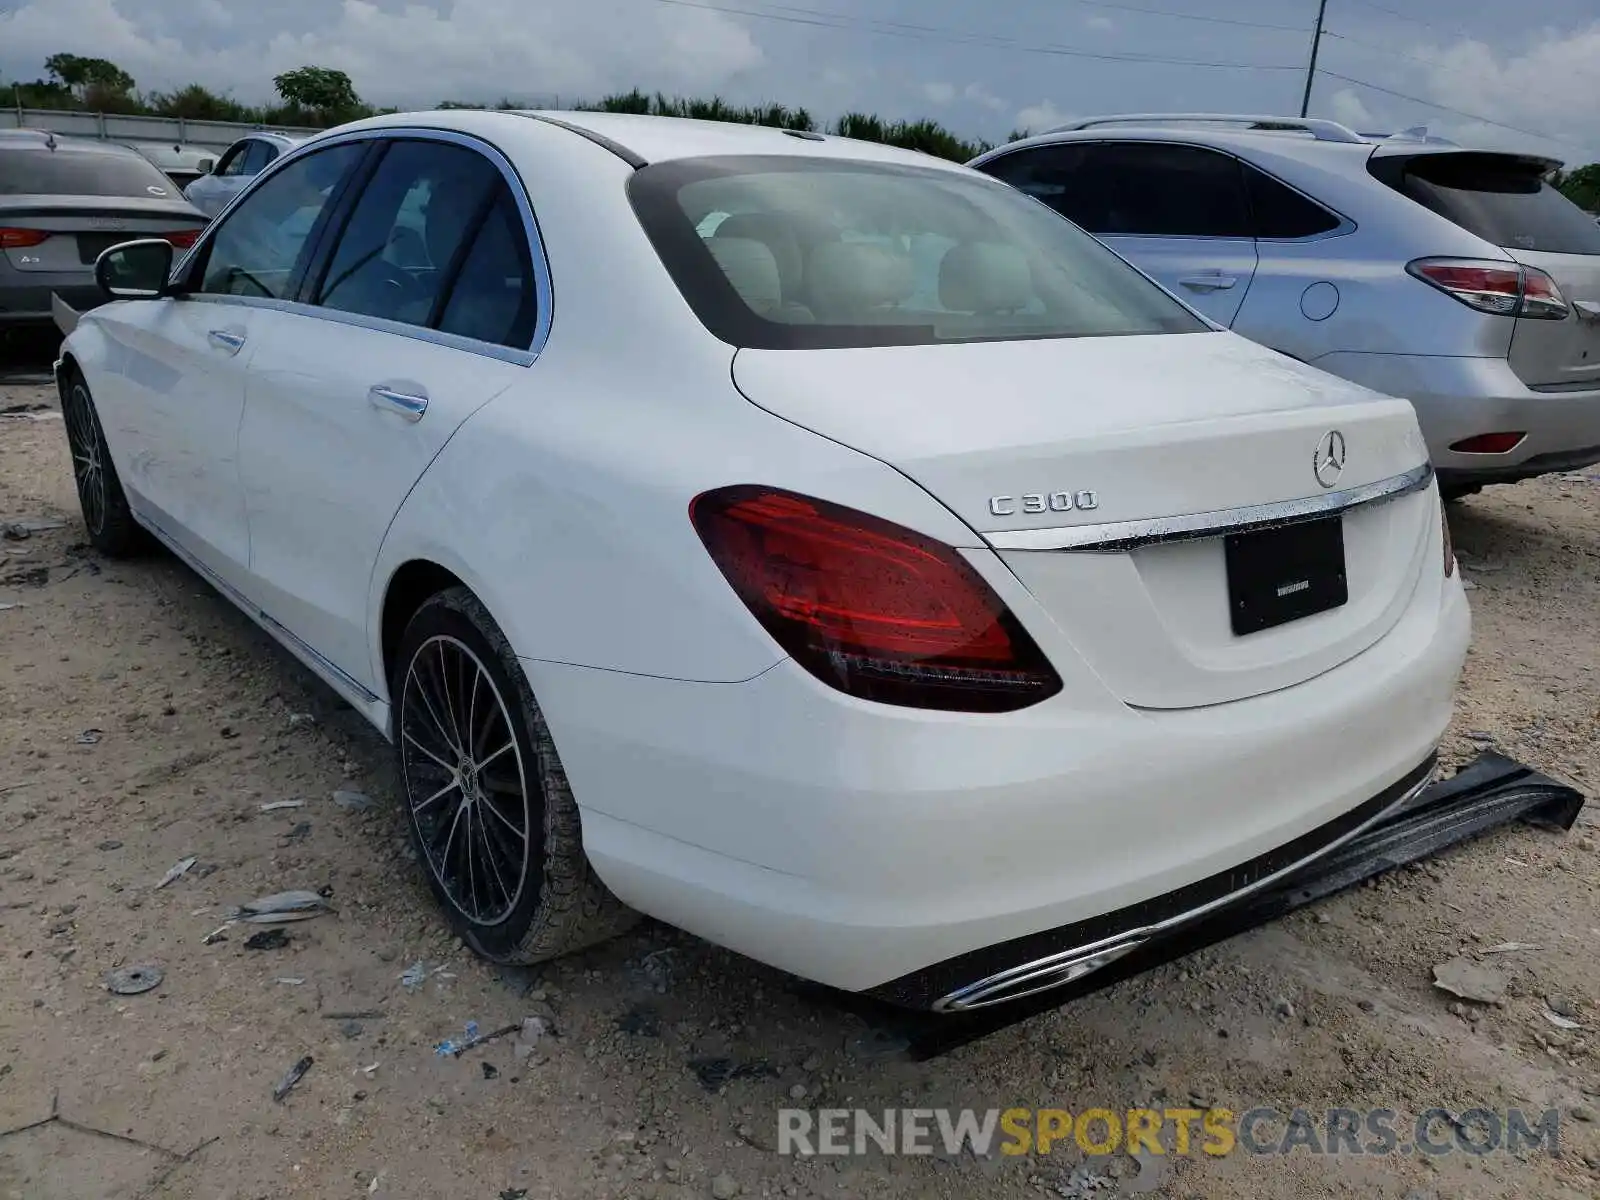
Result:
[[42, 172], [783, 252], [1502, 199]]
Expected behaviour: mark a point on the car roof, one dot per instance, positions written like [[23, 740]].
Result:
[[1286, 137], [58, 143], [1240, 140], [648, 139]]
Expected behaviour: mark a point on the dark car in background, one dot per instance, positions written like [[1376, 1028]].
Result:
[[63, 201]]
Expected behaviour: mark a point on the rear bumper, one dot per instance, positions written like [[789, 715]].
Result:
[[857, 844], [25, 299], [1458, 398]]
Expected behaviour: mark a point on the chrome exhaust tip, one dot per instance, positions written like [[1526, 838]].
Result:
[[1038, 976]]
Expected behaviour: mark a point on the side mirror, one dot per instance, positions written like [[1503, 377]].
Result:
[[204, 166], [135, 270]]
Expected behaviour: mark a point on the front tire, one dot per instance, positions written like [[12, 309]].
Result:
[[106, 516], [488, 805]]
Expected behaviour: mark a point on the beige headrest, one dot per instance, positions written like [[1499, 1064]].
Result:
[[852, 276], [984, 277], [751, 269]]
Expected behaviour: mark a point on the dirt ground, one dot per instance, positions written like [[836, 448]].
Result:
[[202, 720]]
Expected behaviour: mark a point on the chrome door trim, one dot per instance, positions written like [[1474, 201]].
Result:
[[1113, 537]]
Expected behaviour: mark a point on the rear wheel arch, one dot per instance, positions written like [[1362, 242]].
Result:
[[412, 585]]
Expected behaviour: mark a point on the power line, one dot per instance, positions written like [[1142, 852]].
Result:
[[831, 20], [1446, 108], [1344, 37], [1453, 29], [1162, 12]]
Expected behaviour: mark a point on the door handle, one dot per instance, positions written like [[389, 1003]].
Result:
[[226, 340], [1209, 282], [410, 405]]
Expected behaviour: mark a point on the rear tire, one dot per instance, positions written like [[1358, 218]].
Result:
[[106, 516], [1452, 493], [488, 805]]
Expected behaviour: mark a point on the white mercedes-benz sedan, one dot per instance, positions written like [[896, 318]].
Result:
[[820, 547]]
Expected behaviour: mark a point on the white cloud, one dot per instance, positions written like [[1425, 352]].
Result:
[[474, 50], [978, 94], [1546, 88], [1036, 118], [1101, 24], [938, 93], [1347, 108], [1549, 87]]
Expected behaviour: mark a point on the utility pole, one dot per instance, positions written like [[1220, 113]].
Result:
[[1311, 68]]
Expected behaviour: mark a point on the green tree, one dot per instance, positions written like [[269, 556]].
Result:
[[1582, 186], [83, 75], [321, 89]]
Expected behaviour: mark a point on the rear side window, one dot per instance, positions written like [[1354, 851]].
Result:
[[782, 252], [1501, 198], [63, 172], [492, 298], [1278, 211]]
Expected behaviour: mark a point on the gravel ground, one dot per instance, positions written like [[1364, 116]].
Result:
[[202, 721]]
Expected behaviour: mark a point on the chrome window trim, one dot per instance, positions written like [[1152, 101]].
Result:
[[1115, 537], [543, 288]]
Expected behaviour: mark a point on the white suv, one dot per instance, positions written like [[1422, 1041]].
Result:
[[1456, 278]]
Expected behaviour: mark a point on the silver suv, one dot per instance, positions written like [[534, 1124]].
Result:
[[1456, 278]]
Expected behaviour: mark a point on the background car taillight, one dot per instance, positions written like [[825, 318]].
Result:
[[182, 238], [870, 607], [1504, 289], [21, 239]]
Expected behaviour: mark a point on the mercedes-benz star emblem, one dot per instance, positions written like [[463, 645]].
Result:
[[1328, 464]]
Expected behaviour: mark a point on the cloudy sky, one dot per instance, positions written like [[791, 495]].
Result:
[[981, 68]]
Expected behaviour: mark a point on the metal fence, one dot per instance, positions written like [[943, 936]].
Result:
[[116, 128], [216, 135]]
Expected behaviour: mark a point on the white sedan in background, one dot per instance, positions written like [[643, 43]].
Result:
[[817, 546]]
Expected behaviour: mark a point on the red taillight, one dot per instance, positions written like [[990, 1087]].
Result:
[[182, 238], [21, 239], [1541, 298], [869, 607], [1504, 289], [1488, 443]]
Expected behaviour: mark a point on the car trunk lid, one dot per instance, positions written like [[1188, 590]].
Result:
[[1563, 354], [67, 233], [1044, 443]]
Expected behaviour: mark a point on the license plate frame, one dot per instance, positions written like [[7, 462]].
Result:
[[1285, 574]]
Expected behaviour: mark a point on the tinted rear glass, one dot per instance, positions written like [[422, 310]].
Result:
[[789, 253], [1501, 199], [34, 172]]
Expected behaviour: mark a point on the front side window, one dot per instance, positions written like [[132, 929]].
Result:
[[257, 247], [786, 252], [400, 243], [257, 154], [233, 161]]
